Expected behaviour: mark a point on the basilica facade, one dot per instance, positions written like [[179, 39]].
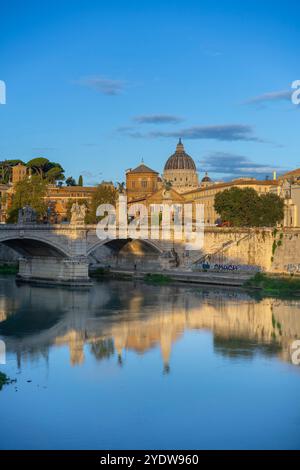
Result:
[[179, 172]]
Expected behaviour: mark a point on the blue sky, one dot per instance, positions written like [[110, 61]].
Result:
[[99, 85]]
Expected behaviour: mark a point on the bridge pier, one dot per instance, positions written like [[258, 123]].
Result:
[[56, 271]]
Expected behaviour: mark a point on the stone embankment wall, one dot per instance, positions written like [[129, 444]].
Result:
[[274, 251]]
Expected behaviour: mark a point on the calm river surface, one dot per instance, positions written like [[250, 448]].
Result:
[[127, 365]]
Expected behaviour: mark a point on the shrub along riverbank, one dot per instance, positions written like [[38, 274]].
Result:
[[157, 278], [7, 268], [4, 380], [261, 285], [278, 286]]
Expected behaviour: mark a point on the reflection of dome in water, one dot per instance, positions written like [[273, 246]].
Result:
[[181, 170]]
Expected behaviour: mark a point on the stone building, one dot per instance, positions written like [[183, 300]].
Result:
[[292, 206], [19, 172], [288, 188], [59, 199], [141, 182], [145, 185], [3, 202], [180, 170]]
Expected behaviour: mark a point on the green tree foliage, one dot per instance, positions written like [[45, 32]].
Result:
[[30, 191], [104, 194], [245, 208], [38, 166], [55, 174], [70, 181], [42, 167], [51, 171], [80, 181], [272, 209]]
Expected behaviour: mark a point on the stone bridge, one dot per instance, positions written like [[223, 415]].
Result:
[[62, 253]]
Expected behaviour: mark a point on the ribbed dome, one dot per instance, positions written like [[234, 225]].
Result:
[[206, 179], [180, 160]]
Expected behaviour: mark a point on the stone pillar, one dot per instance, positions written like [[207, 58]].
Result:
[[60, 271]]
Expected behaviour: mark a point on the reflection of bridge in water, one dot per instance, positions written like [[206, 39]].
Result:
[[114, 317]]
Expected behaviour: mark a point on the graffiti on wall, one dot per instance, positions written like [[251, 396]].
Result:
[[292, 268], [227, 267]]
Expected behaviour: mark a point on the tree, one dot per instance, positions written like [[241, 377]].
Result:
[[245, 208], [272, 209], [44, 168], [55, 174], [80, 181], [31, 192], [104, 194], [70, 181], [38, 166]]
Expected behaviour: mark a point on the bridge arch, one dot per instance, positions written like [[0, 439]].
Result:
[[29, 246], [119, 243]]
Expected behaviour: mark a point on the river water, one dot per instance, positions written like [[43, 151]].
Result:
[[128, 365]]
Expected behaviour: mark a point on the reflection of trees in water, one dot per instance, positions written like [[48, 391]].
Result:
[[235, 347], [27, 321], [103, 348]]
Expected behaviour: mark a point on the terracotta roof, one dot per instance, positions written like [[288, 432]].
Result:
[[235, 183], [71, 189], [290, 173], [143, 169]]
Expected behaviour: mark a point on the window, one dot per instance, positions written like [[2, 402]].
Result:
[[144, 184], [133, 184]]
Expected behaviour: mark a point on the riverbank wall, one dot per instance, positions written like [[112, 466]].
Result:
[[238, 250], [275, 251]]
